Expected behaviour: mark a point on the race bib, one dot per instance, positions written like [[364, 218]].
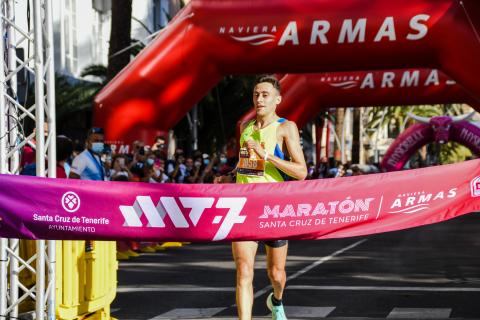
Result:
[[250, 164]]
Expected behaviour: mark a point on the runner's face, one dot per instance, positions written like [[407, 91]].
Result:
[[265, 98]]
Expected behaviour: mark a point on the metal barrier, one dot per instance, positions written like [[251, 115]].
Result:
[[86, 282]]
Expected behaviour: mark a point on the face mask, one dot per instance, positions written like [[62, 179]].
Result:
[[206, 161], [197, 164], [150, 162], [223, 160], [97, 147], [157, 173]]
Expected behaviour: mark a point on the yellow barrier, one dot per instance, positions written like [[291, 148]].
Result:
[[86, 282]]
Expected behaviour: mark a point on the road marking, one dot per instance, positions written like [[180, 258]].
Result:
[[182, 313], [308, 312], [386, 288], [169, 288], [420, 313], [311, 266]]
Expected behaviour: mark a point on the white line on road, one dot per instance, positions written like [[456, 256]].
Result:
[[311, 266], [167, 288], [380, 288], [420, 313], [182, 313], [170, 288]]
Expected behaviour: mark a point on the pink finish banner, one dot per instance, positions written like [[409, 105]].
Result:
[[42, 208]]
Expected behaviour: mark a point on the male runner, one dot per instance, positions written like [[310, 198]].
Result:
[[267, 140]]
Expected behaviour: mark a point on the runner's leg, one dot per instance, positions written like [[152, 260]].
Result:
[[244, 257], [276, 260]]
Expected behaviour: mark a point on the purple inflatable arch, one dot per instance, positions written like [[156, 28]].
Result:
[[439, 129]]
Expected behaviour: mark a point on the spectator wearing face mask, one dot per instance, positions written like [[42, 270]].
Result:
[[172, 163], [88, 165], [196, 171], [223, 165], [159, 167], [179, 174], [152, 173], [209, 172]]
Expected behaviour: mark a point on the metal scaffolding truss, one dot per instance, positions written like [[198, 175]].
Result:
[[37, 63]]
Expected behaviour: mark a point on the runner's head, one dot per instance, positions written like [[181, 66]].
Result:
[[266, 95]]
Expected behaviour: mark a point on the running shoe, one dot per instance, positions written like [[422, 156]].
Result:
[[277, 311]]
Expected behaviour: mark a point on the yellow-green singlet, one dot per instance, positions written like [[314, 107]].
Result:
[[268, 136]]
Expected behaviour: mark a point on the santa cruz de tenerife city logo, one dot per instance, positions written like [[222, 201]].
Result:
[[168, 206], [475, 187], [70, 201], [418, 201]]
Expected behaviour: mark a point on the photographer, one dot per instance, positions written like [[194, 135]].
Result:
[[137, 165]]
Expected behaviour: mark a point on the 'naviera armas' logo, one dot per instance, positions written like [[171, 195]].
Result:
[[155, 214], [321, 31], [412, 202]]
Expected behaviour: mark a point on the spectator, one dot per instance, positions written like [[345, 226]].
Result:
[[159, 167], [179, 173], [160, 146], [322, 168], [120, 169], [28, 152], [196, 172], [137, 165], [209, 172], [64, 152], [150, 173], [224, 165], [88, 165]]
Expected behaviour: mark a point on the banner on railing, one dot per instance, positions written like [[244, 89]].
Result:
[[42, 208]]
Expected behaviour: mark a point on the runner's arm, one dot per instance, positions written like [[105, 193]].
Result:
[[295, 168]]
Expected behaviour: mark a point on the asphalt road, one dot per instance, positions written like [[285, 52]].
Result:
[[431, 272]]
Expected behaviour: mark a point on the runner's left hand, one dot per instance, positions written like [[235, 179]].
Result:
[[252, 144]]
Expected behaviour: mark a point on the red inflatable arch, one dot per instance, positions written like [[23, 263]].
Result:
[[213, 38], [305, 95]]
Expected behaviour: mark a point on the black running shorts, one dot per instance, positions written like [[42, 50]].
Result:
[[276, 243]]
